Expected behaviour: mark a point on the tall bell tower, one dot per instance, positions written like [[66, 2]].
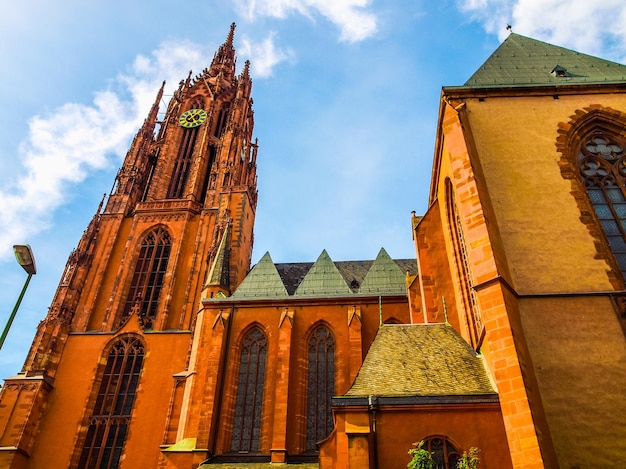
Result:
[[176, 227]]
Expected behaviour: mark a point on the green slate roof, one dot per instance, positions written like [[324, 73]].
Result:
[[384, 275], [323, 279], [420, 360], [263, 280], [522, 61], [218, 275]]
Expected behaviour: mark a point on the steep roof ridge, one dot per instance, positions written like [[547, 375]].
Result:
[[384, 276], [262, 281], [323, 279], [523, 61], [218, 274]]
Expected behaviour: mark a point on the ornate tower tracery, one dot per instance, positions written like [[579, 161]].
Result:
[[177, 226]]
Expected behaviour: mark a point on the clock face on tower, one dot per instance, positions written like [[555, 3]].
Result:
[[192, 118]]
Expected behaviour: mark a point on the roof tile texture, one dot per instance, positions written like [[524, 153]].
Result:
[[420, 360]]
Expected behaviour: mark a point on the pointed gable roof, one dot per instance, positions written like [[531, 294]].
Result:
[[323, 279], [522, 61], [219, 272], [262, 281], [384, 276]]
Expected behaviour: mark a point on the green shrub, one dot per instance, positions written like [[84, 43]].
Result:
[[420, 457], [469, 460]]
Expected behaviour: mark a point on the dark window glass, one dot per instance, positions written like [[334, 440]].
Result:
[[183, 163], [444, 453], [320, 386], [249, 401], [222, 120], [148, 276], [603, 169], [108, 424]]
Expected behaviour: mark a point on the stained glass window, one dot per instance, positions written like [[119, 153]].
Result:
[[602, 167]]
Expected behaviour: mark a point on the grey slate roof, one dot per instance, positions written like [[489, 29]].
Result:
[[420, 360], [326, 277], [522, 61]]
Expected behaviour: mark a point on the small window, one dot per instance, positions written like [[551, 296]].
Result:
[[444, 452], [559, 72]]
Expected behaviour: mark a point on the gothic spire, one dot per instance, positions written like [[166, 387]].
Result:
[[245, 75], [225, 57], [148, 126]]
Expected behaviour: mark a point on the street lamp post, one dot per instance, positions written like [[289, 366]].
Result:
[[25, 258]]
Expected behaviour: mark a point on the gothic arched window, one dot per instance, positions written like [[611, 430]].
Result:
[[222, 119], [249, 402], [110, 418], [182, 166], [443, 451], [603, 169], [320, 385], [148, 276], [463, 268]]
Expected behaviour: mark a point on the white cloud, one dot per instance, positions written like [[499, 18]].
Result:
[[352, 17], [75, 140], [593, 27], [264, 56]]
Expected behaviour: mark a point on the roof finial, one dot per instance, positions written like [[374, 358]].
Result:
[[246, 71]]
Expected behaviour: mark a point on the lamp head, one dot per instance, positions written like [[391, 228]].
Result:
[[25, 258]]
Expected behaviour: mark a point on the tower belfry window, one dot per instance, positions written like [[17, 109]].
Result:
[[183, 163], [603, 169], [222, 120]]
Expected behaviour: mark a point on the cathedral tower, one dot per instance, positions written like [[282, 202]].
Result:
[[176, 227]]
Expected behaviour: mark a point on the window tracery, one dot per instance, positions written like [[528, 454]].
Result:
[[108, 424], [246, 436], [147, 280], [443, 451], [320, 385], [182, 165], [603, 170]]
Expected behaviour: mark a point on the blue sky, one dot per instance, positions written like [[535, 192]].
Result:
[[345, 95]]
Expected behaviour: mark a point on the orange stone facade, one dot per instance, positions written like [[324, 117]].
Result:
[[141, 358]]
